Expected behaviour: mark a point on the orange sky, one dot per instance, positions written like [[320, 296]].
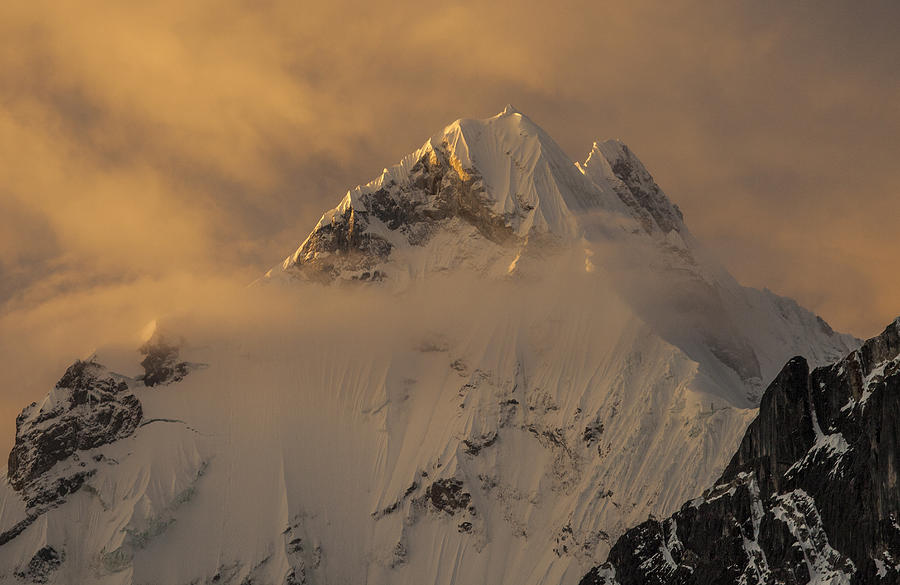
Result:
[[152, 150]]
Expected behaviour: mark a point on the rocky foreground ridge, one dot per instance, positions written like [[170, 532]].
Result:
[[811, 496]]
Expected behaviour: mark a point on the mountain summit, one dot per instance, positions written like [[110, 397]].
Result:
[[484, 366], [490, 195], [612, 164], [497, 186], [503, 182]]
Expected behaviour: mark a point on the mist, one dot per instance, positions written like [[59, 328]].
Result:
[[215, 315]]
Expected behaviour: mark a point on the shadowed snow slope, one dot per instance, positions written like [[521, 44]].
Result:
[[512, 360]]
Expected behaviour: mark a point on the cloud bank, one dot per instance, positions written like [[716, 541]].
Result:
[[155, 154]]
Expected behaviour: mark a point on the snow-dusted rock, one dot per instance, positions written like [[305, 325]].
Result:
[[89, 407], [810, 496], [160, 363], [480, 194]]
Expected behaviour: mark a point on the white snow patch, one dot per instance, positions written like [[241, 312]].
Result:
[[832, 446], [826, 565], [757, 570]]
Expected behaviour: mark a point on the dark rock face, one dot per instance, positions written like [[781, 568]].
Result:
[[42, 494], [811, 496], [782, 432], [447, 495], [44, 562], [161, 365], [88, 408], [341, 241], [643, 195], [439, 188], [474, 446]]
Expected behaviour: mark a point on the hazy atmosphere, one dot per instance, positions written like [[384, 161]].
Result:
[[156, 153]]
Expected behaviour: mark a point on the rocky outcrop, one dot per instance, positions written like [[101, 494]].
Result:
[[811, 496], [338, 243], [437, 188], [89, 407], [447, 495], [160, 363], [781, 433], [42, 565], [634, 186]]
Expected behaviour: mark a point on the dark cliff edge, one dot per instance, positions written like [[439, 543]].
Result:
[[810, 496]]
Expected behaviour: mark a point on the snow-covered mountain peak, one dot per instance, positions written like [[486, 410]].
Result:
[[527, 177], [510, 110], [484, 194], [479, 193], [613, 164], [459, 429], [493, 196]]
